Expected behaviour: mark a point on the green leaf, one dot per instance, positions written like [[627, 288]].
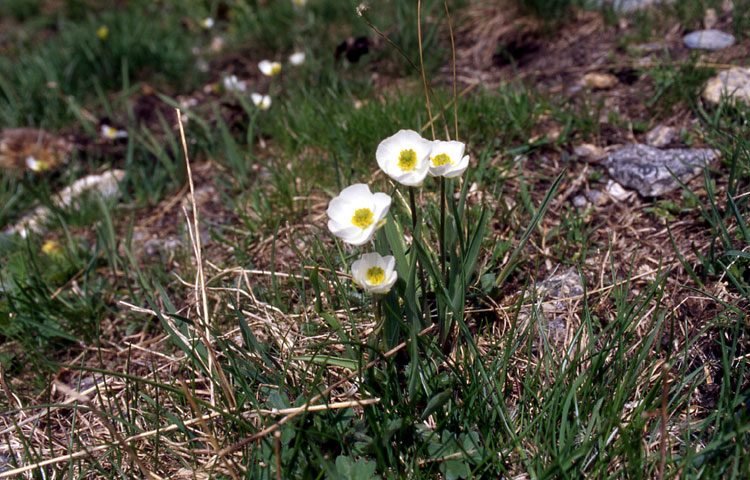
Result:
[[436, 403]]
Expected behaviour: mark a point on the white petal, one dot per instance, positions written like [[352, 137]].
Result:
[[257, 98], [382, 202], [459, 169], [297, 58]]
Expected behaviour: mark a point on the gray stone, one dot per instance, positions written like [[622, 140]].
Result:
[[733, 84], [652, 171], [580, 201], [660, 136], [708, 40]]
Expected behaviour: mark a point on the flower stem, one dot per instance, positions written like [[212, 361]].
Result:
[[441, 233]]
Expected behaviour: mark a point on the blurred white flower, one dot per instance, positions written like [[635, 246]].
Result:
[[404, 157], [269, 68], [297, 58], [36, 165], [261, 101], [447, 159], [300, 3], [374, 273], [233, 84], [207, 23], [111, 133], [217, 44], [356, 213]]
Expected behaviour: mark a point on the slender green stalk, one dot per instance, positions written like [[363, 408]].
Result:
[[441, 233], [421, 64], [455, 80]]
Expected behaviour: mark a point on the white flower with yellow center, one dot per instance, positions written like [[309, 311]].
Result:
[[405, 157], [111, 133], [447, 159], [297, 58], [261, 101], [300, 3], [207, 23], [374, 273], [356, 213], [269, 68], [36, 165]]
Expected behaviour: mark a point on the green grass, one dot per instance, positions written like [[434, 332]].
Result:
[[488, 391]]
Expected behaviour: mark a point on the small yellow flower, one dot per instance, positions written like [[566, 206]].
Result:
[[102, 32], [51, 247], [300, 3]]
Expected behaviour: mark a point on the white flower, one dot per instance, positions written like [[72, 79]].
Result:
[[111, 133], [207, 23], [375, 273], [356, 213], [405, 157], [36, 165], [447, 159], [297, 58], [233, 84], [300, 3], [261, 101], [217, 44], [269, 68]]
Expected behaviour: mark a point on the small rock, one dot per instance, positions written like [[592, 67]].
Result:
[[580, 201], [661, 136], [596, 197], [553, 298], [708, 40], [616, 191], [650, 170], [586, 150], [106, 184], [733, 83], [599, 81], [710, 19]]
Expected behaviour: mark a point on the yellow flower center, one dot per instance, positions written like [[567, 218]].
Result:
[[375, 275], [102, 32], [50, 247], [275, 69], [441, 159], [362, 217], [407, 160]]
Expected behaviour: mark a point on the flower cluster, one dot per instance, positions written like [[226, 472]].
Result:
[[408, 158], [356, 213]]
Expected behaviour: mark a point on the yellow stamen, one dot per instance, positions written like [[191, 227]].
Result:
[[407, 160], [375, 275], [362, 218], [442, 159], [102, 32], [275, 69]]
